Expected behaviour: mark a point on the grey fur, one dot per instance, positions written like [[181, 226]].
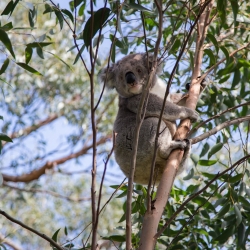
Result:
[[129, 98]]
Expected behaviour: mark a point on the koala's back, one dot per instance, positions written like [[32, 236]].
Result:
[[125, 127]]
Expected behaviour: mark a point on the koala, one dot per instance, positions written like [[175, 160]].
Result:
[[128, 76]]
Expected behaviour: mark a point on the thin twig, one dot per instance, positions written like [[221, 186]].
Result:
[[34, 190], [44, 236], [193, 130]]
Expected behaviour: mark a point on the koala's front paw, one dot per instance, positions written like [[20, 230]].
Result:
[[192, 115]]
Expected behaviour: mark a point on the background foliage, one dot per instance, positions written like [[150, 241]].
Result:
[[46, 106]]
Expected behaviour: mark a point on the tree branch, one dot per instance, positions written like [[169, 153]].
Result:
[[34, 190], [152, 216], [32, 128], [35, 174], [218, 128], [44, 236], [196, 194], [5, 240]]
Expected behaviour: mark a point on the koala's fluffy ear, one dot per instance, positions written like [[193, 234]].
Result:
[[107, 75], [150, 62]]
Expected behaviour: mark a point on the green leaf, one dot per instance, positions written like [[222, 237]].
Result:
[[28, 54], [235, 178], [238, 215], [214, 41], [221, 8], [223, 210], [215, 149], [59, 17], [68, 13], [118, 238], [48, 9], [54, 237], [7, 26], [235, 8], [204, 202], [207, 162], [136, 6], [97, 20], [65, 231], [236, 78], [30, 69], [175, 47], [6, 41], [189, 175], [225, 51], [222, 238], [57, 57], [205, 149], [39, 52], [78, 54], [4, 66], [241, 236], [244, 63], [1, 176], [8, 8], [194, 158], [32, 17], [4, 137], [37, 44], [211, 56]]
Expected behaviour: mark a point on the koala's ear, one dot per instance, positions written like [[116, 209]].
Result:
[[151, 60], [107, 75]]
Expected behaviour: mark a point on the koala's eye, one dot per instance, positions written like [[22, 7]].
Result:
[[139, 71]]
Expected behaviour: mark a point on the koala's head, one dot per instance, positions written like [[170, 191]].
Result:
[[128, 75]]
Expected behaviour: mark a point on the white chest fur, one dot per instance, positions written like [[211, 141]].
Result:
[[159, 89]]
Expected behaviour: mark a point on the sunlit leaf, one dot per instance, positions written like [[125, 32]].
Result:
[[28, 54], [207, 162], [217, 147]]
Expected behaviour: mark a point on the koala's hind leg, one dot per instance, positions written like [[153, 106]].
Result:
[[165, 150], [178, 144]]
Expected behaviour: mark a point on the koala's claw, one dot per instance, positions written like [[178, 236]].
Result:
[[188, 144], [195, 117]]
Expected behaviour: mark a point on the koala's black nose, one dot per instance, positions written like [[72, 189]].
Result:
[[130, 77]]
